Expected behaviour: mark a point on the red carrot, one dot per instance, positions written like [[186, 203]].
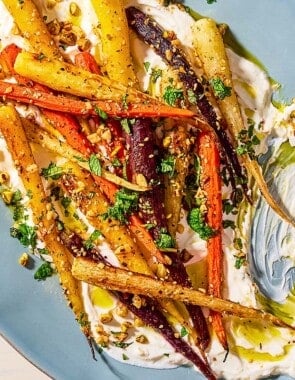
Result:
[[207, 150], [7, 58], [86, 61]]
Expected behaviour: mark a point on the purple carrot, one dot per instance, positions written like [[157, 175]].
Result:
[[153, 35], [149, 312], [152, 211]]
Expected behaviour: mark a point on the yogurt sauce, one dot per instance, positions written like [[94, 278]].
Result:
[[254, 354]]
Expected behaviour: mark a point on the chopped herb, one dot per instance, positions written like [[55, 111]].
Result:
[[167, 166], [88, 244], [238, 244], [44, 271], [146, 66], [149, 226], [125, 357], [25, 234], [43, 251], [80, 159], [122, 344], [183, 332], [65, 202], [94, 165], [52, 171], [125, 203], [124, 101], [165, 240], [83, 320], [229, 224], [221, 91], [167, 355], [172, 94], [247, 140], [102, 114], [125, 125], [117, 163], [197, 223], [155, 74], [60, 225], [228, 207], [191, 96], [240, 261], [211, 1]]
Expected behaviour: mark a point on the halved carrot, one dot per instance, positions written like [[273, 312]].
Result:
[[208, 153]]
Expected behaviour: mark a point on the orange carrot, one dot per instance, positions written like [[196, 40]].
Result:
[[208, 153], [66, 104], [86, 61], [7, 58]]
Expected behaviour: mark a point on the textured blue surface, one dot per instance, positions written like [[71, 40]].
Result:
[[34, 316]]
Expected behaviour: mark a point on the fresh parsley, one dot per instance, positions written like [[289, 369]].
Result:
[[25, 234], [165, 240], [126, 124], [240, 261], [183, 332], [52, 171], [95, 165], [191, 96], [88, 244], [172, 95], [156, 74], [167, 166], [220, 90], [146, 65], [122, 344], [211, 1], [125, 203], [101, 113], [45, 270], [197, 223], [247, 140]]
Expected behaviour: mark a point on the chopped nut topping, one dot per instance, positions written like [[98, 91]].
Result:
[[24, 259]]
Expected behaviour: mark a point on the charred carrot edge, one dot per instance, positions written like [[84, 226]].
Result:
[[211, 183]]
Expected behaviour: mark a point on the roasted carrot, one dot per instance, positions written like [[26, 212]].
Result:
[[7, 58], [86, 61], [66, 104], [210, 183]]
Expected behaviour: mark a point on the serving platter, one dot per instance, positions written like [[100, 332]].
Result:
[[34, 316]]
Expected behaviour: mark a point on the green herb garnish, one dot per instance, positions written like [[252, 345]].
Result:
[[45, 270], [95, 165], [221, 91], [52, 171], [183, 332], [165, 240], [25, 234], [88, 244], [172, 94], [247, 140], [125, 203], [101, 113], [197, 223], [167, 166]]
